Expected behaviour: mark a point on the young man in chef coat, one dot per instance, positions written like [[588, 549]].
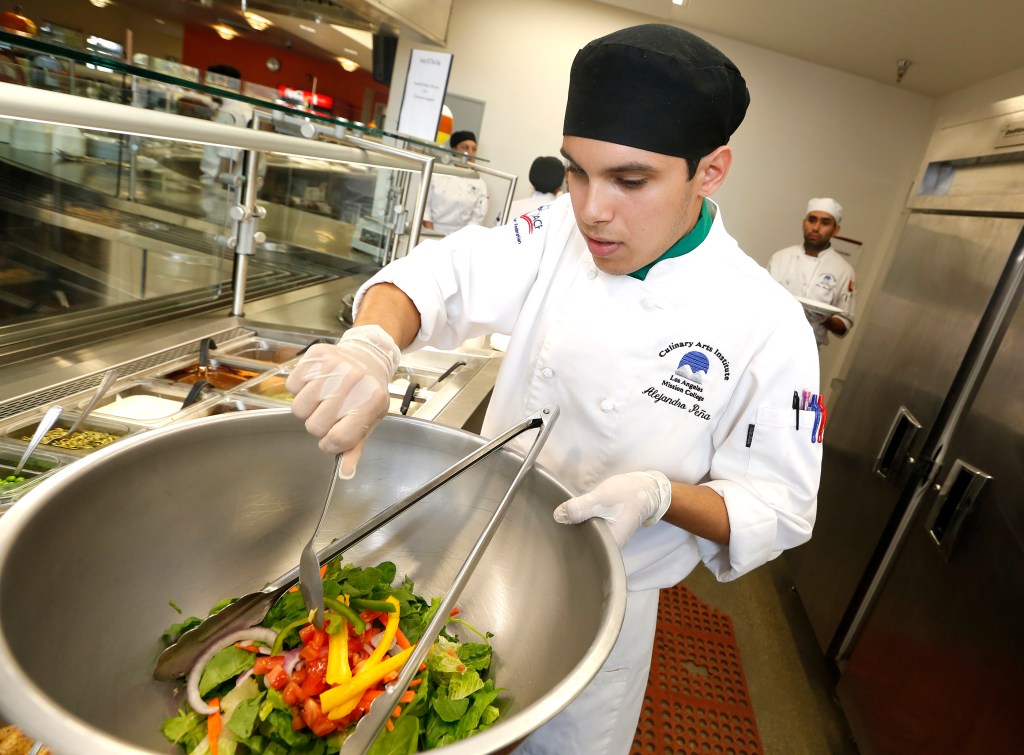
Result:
[[453, 202], [817, 272], [672, 355]]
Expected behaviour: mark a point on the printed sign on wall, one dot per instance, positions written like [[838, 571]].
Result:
[[425, 87]]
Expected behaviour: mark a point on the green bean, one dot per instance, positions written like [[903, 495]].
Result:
[[364, 604], [346, 613]]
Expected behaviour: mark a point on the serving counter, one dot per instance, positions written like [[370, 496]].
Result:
[[212, 364]]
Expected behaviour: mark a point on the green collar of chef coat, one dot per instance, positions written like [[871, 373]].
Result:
[[686, 244]]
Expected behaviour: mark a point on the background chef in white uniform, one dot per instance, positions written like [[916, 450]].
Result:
[[814, 270], [220, 166], [672, 355], [547, 175], [453, 202]]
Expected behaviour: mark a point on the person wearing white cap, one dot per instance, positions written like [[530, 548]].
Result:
[[673, 356], [453, 202], [816, 272]]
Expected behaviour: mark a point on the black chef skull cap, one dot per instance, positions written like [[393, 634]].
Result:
[[459, 137], [547, 174], [655, 87]]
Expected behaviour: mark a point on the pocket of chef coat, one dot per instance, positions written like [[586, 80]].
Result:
[[776, 447]]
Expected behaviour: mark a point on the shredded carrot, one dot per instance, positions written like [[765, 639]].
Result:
[[423, 667], [407, 696], [414, 682], [390, 726], [213, 724], [397, 711], [250, 648], [401, 639], [391, 677], [455, 612]]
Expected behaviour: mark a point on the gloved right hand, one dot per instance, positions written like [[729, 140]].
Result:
[[341, 390]]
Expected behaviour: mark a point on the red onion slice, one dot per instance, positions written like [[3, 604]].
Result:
[[200, 706]]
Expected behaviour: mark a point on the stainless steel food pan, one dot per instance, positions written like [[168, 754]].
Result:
[[194, 512]]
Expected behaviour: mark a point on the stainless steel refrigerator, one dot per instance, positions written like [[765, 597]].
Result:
[[914, 578]]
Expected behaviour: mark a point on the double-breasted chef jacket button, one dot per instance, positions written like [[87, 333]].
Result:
[[547, 373], [607, 405]]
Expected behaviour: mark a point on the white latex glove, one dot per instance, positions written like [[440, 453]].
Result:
[[626, 501], [341, 390]]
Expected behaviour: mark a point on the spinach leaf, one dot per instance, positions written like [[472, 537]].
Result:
[[226, 664], [402, 740], [245, 716]]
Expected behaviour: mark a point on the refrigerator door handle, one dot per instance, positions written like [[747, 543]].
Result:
[[956, 500], [902, 431]]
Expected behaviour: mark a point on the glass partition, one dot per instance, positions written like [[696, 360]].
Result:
[[112, 228]]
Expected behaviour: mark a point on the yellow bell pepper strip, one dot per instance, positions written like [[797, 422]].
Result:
[[338, 670], [387, 637], [344, 709], [358, 684]]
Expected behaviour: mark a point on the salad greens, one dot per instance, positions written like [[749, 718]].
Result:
[[304, 694]]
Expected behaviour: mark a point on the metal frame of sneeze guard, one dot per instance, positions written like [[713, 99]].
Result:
[[42, 106]]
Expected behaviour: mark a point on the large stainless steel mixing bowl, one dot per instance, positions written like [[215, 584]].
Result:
[[216, 507]]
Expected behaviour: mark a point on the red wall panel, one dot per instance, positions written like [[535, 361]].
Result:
[[201, 47]]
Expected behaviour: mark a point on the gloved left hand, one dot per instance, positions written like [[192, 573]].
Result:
[[626, 501]]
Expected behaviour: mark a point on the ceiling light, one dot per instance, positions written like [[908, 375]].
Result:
[[224, 31], [310, 29], [256, 21], [100, 3], [679, 2], [348, 65]]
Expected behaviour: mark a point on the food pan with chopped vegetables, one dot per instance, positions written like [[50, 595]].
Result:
[[216, 507]]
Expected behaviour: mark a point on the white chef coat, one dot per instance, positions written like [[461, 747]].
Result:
[[530, 203], [827, 278], [453, 202], [690, 371]]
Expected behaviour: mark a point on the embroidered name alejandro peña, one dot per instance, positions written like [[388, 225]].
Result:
[[661, 398]]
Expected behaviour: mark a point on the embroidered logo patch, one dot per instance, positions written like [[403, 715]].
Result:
[[692, 375], [532, 221]]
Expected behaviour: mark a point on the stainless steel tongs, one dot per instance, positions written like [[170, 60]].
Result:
[[369, 726], [250, 609]]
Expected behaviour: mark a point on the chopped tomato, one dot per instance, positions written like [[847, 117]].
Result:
[[314, 682], [299, 675], [266, 662], [313, 637], [297, 720], [277, 677], [315, 719], [293, 694], [323, 726], [309, 653]]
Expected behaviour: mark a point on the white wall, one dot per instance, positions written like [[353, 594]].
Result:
[[810, 130], [995, 89]]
